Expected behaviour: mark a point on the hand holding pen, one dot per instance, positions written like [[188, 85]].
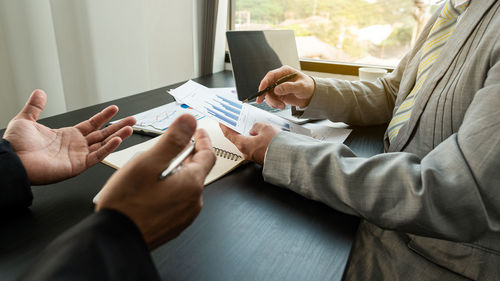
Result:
[[296, 90], [270, 88], [161, 209], [176, 163]]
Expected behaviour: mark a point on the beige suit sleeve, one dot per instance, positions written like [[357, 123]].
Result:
[[355, 102], [441, 195]]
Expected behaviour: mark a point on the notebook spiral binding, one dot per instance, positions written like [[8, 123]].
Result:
[[226, 154]]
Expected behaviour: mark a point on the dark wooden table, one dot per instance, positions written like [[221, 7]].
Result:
[[247, 230]]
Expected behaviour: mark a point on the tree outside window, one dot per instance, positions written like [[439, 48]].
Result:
[[376, 32]]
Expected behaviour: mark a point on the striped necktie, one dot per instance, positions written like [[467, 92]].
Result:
[[439, 34]]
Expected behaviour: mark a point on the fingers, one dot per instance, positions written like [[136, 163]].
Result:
[[274, 101], [298, 92], [255, 146], [34, 106], [268, 80], [293, 100], [234, 137], [273, 75], [114, 130], [204, 156], [288, 88], [241, 142], [123, 133], [231, 135], [101, 153], [202, 141], [286, 93], [256, 128], [97, 121], [174, 141], [260, 99], [274, 98]]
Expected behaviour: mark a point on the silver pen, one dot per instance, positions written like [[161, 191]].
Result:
[[177, 161]]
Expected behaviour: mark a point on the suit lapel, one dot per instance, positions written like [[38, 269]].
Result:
[[464, 28]]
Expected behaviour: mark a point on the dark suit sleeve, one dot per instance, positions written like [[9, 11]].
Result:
[[105, 246], [15, 188]]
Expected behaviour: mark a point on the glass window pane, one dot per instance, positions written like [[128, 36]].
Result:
[[376, 32]]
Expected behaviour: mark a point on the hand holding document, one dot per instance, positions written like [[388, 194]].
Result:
[[228, 110]]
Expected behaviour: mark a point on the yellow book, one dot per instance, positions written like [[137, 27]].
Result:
[[228, 156]]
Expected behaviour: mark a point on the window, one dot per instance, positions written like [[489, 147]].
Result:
[[377, 32]]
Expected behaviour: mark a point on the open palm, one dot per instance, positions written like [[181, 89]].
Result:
[[51, 155]]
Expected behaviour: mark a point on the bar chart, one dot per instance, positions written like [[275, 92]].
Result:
[[223, 106], [224, 109]]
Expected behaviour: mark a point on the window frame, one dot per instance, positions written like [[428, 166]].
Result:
[[315, 65]]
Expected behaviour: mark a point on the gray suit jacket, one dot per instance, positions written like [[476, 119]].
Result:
[[430, 207]]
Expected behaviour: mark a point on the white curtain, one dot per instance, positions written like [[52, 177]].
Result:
[[30, 55], [86, 52], [219, 55], [210, 35]]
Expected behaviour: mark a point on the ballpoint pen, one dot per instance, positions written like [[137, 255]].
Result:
[[279, 81], [146, 132], [177, 161]]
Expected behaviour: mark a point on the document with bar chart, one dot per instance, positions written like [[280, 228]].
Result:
[[223, 105]]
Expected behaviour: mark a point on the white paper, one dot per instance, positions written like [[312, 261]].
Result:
[[326, 130], [158, 119], [223, 106]]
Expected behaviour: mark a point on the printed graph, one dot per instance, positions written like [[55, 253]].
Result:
[[161, 118], [224, 109], [222, 105]]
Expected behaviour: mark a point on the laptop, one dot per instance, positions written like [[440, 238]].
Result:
[[253, 54]]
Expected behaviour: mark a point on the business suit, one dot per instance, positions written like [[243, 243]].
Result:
[[15, 190], [430, 207], [105, 246]]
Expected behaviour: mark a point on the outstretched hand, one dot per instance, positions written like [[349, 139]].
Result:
[[51, 155]]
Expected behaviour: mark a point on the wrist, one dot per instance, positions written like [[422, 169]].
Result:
[[124, 217], [312, 89], [268, 147]]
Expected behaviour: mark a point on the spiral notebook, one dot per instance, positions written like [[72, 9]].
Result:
[[228, 156]]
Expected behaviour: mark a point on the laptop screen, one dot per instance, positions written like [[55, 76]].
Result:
[[254, 53]]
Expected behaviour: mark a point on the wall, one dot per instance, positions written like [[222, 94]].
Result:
[[8, 102], [31, 56], [87, 52]]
